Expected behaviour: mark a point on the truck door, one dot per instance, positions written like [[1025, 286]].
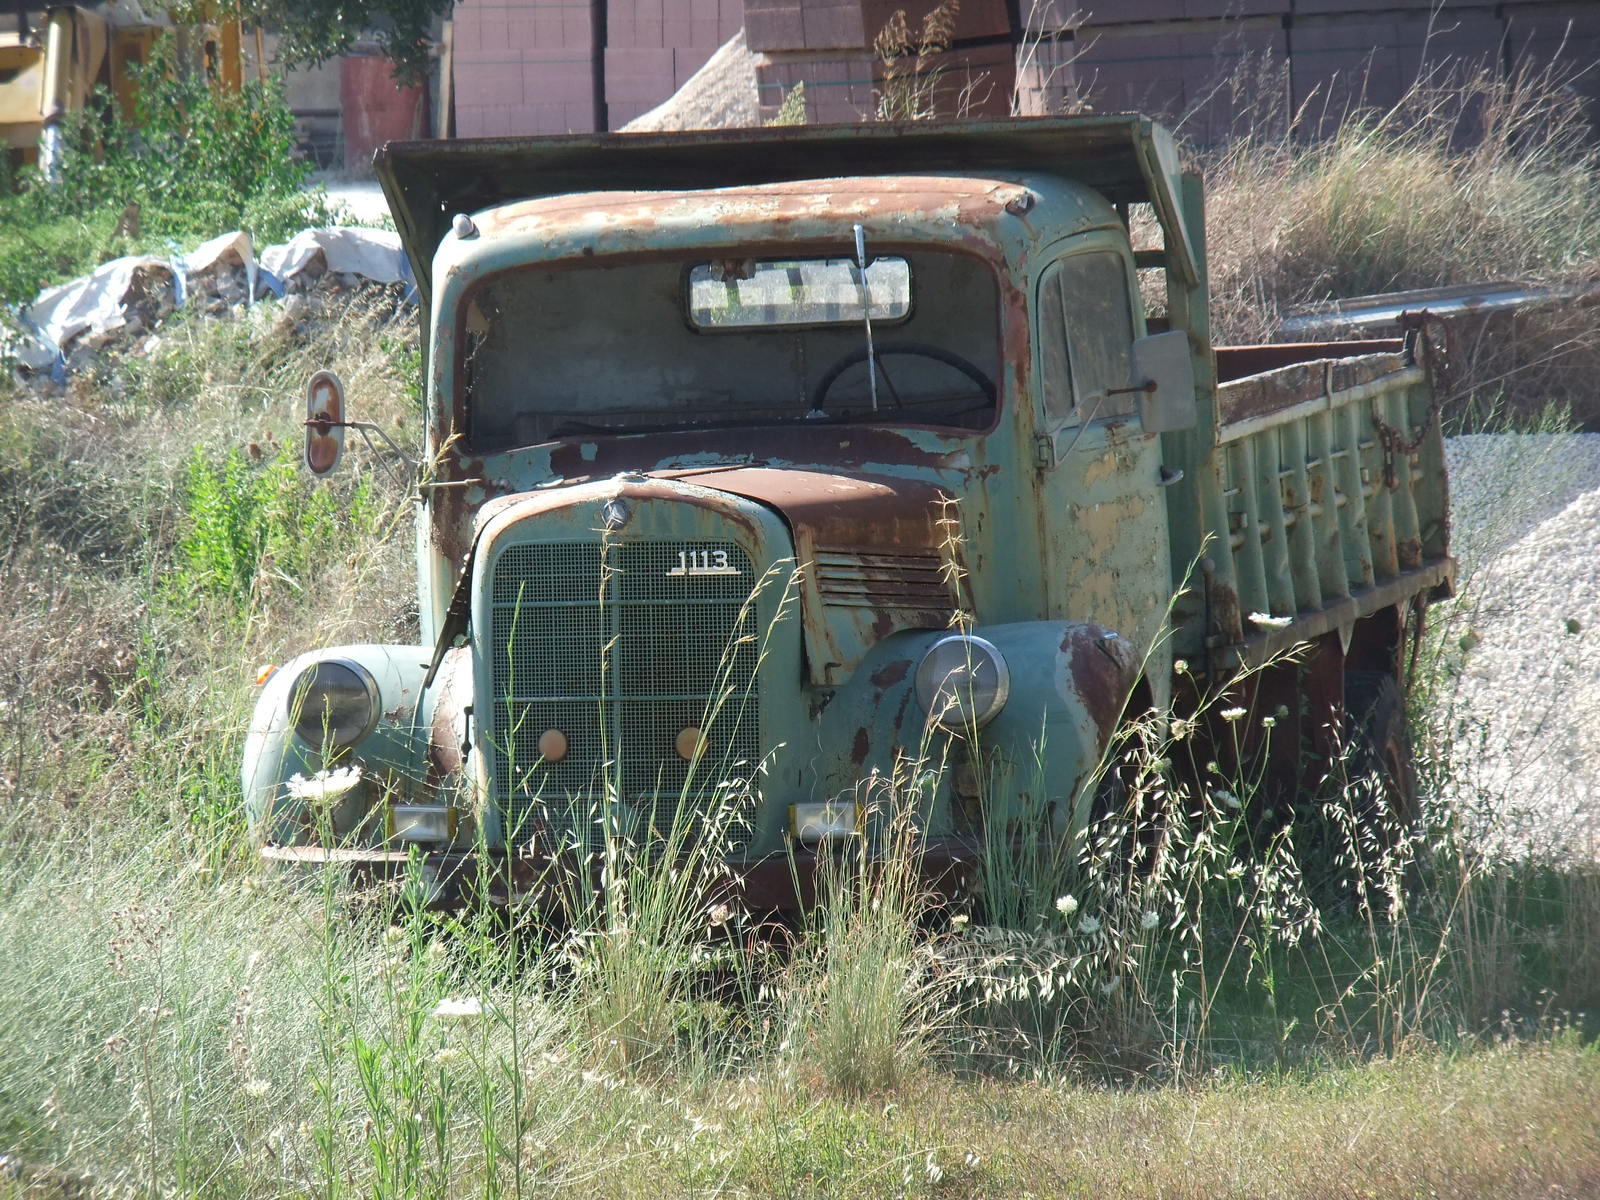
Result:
[[1104, 524]]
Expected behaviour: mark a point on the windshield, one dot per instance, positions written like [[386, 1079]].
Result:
[[576, 350]]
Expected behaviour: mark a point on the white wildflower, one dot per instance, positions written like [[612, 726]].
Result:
[[1150, 919], [1268, 722], [256, 1087], [959, 921], [324, 787], [1181, 729], [1268, 621], [1066, 905], [1180, 666], [1224, 796], [1231, 714], [450, 1009], [1089, 925]]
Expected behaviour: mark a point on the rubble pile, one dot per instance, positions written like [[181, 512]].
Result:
[[1518, 700], [119, 306]]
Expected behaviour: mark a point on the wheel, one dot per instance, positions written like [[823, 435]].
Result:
[[949, 358], [1381, 773]]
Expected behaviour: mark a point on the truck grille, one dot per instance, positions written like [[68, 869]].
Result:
[[621, 658]]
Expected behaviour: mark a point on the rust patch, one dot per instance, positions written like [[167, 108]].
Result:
[[860, 748], [1238, 362], [449, 719], [890, 674], [1102, 672]]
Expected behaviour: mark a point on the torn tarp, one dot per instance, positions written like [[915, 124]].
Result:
[[223, 272], [370, 253]]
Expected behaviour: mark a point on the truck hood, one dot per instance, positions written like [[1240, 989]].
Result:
[[875, 555]]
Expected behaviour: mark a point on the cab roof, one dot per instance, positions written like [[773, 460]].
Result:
[[1126, 158]]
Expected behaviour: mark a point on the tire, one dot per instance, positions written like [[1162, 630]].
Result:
[[1380, 769]]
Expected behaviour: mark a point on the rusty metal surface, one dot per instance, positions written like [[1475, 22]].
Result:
[[1383, 310], [873, 556], [1236, 362], [1314, 370], [426, 183], [953, 201]]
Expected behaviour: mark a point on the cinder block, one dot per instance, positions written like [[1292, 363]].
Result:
[[774, 29], [493, 84], [1123, 73], [837, 88], [1215, 9], [832, 27], [1338, 66], [973, 18], [1446, 10], [963, 82], [1235, 84], [1564, 38], [1047, 78], [1132, 10]]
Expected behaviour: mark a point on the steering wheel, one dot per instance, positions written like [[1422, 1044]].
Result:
[[917, 349]]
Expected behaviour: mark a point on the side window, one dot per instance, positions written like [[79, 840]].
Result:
[[1086, 332]]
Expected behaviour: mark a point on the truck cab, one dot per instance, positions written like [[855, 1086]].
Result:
[[836, 454]]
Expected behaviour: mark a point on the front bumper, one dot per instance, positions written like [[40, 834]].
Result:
[[451, 879]]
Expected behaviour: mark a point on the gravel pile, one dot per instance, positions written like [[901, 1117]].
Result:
[[1519, 713]]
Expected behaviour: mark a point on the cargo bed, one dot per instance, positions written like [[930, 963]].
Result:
[[1327, 501]]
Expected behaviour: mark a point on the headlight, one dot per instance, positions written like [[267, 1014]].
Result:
[[333, 704], [963, 682]]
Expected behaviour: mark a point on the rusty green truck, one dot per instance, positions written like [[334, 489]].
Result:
[[758, 461]]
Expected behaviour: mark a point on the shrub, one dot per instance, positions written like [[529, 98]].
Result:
[[195, 160]]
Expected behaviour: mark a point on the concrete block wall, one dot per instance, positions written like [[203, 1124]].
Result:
[[1315, 59], [555, 66], [525, 66], [653, 46]]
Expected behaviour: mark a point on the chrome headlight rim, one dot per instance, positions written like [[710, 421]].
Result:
[[319, 735], [954, 719]]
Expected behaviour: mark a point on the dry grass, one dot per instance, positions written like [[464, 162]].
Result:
[[1466, 180], [109, 646]]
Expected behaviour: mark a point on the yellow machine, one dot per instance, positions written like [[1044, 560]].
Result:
[[51, 69]]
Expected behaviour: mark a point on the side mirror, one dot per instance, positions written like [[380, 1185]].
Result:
[[324, 423], [1163, 374]]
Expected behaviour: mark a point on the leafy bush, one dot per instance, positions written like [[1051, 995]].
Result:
[[248, 520], [195, 159]]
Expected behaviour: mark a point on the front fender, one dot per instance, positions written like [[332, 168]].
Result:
[[392, 758], [1070, 683]]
